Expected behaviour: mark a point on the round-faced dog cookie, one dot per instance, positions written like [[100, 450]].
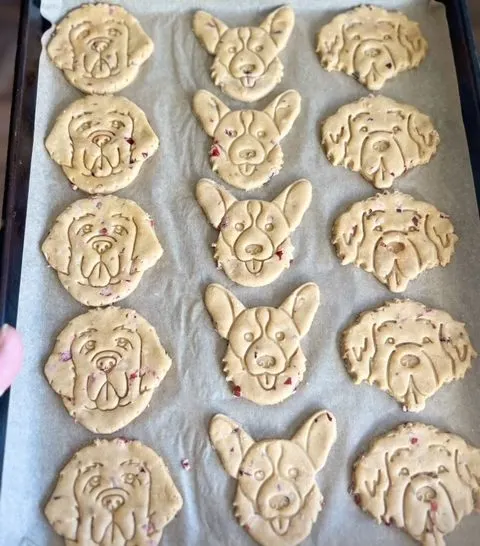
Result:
[[379, 138], [264, 360], [420, 479], [371, 44], [394, 237], [113, 492], [407, 350], [246, 150], [277, 499], [99, 48], [100, 248], [101, 143], [106, 365], [254, 246], [246, 65]]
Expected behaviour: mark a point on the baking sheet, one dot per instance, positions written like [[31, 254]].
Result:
[[42, 437]]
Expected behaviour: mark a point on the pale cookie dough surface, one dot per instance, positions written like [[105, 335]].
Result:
[[101, 143], [379, 138], [106, 365], [254, 246], [420, 479], [100, 247], [371, 44], [246, 150], [99, 48], [113, 492], [277, 499], [394, 237], [408, 350], [246, 64], [264, 360]]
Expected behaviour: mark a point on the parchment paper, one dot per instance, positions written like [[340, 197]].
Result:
[[41, 435]]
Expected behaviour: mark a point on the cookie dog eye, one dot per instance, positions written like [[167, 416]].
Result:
[[248, 336], [259, 475], [232, 49], [261, 134], [377, 228], [356, 37], [364, 129], [85, 126], [259, 48], [293, 472], [279, 336], [390, 340], [120, 230], [240, 226], [116, 124], [113, 32], [396, 129], [412, 228], [269, 227], [426, 340], [89, 346], [93, 482], [442, 469], [404, 471], [87, 228], [387, 37], [124, 343], [129, 478]]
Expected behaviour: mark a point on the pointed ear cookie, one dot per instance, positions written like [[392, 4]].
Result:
[[209, 110], [301, 305], [214, 200], [223, 307], [279, 24], [208, 29], [294, 201], [284, 111]]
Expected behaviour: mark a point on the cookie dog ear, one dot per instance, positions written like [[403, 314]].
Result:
[[335, 135], [468, 468], [439, 230], [208, 29], [294, 201], [223, 307], [209, 110], [146, 141], [301, 305], [284, 111], [410, 37], [456, 343], [61, 509], [347, 233], [60, 369], [140, 45], [358, 345], [58, 142], [317, 436], [59, 48], [330, 43], [279, 24], [56, 247], [424, 134], [147, 249], [214, 200], [230, 441], [155, 362]]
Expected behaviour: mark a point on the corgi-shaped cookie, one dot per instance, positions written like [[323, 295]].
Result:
[[264, 360], [254, 246], [277, 499]]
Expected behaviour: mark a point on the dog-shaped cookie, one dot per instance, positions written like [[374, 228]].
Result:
[[407, 350], [379, 138], [101, 143], [394, 237], [264, 360], [99, 48], [254, 246], [246, 64], [113, 493], [277, 499], [420, 479], [100, 248], [106, 365], [246, 150], [371, 44]]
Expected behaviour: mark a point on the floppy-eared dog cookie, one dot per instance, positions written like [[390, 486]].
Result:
[[99, 48], [114, 493], [254, 246], [407, 350], [100, 248], [246, 64], [101, 142], [379, 138], [246, 150], [421, 479], [371, 44], [106, 365], [277, 499], [394, 237], [264, 360]]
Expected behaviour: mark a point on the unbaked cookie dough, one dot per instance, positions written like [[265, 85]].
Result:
[[105, 365], [394, 237], [99, 48], [371, 44], [264, 360], [100, 248], [254, 246], [101, 143], [113, 492], [277, 499], [379, 138], [407, 350], [420, 479]]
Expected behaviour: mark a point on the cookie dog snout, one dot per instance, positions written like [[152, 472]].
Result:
[[101, 140], [106, 361], [100, 44], [246, 148], [101, 246], [253, 249]]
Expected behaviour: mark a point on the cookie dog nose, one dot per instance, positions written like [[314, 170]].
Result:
[[381, 146], [101, 140], [248, 68], [426, 494], [100, 45], [372, 52], [101, 246], [396, 248], [266, 361], [106, 363], [279, 502], [253, 249], [112, 502], [409, 361], [247, 154]]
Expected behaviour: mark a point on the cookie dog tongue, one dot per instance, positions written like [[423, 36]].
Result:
[[267, 380], [248, 81], [99, 275], [254, 266], [280, 525]]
